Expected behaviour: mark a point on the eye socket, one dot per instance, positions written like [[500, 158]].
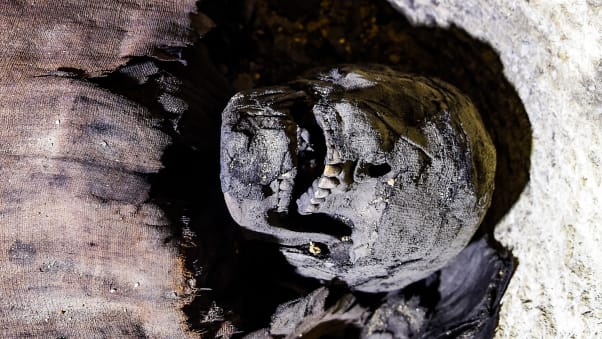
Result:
[[376, 171], [366, 170]]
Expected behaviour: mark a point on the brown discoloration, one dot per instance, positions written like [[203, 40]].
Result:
[[93, 37], [63, 191], [21, 253], [54, 122], [83, 252]]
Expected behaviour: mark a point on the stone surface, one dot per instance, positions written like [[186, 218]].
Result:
[[551, 53]]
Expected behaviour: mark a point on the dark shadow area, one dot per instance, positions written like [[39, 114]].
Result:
[[235, 276], [333, 330], [260, 43], [317, 223]]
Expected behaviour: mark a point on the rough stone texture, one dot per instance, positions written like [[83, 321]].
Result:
[[552, 55], [83, 251]]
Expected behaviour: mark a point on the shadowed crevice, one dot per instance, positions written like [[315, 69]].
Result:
[[261, 43]]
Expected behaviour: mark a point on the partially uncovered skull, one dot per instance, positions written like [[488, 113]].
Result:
[[361, 173]]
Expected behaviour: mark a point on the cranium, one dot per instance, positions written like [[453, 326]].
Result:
[[361, 173]]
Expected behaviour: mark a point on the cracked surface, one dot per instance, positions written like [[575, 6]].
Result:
[[404, 162]]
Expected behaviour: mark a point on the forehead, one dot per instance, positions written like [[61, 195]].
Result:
[[374, 108], [398, 100]]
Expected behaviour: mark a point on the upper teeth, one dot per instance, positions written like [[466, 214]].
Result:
[[285, 191], [286, 185], [335, 156], [332, 170], [321, 193], [321, 188], [328, 183], [316, 201]]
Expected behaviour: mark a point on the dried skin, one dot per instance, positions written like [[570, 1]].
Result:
[[460, 301], [403, 162]]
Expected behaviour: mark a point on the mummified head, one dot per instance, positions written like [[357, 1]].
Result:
[[365, 174]]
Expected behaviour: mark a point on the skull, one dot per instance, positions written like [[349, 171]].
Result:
[[361, 173]]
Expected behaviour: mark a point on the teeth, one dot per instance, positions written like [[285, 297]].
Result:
[[317, 201], [289, 175], [284, 194], [312, 200], [286, 185], [304, 197], [332, 170], [321, 193], [328, 183], [336, 156], [282, 205]]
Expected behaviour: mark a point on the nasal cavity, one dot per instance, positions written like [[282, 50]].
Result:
[[366, 170]]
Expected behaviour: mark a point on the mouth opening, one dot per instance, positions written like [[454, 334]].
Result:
[[311, 149], [310, 160]]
